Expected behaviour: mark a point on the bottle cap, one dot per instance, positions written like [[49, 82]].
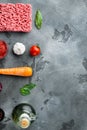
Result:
[[24, 121], [2, 114]]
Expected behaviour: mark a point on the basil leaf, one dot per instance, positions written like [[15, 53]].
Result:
[[25, 90], [31, 86], [38, 19]]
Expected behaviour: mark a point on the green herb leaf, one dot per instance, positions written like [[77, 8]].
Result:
[[25, 90], [38, 19], [31, 86]]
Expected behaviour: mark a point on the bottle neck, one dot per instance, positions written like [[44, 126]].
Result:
[[24, 121]]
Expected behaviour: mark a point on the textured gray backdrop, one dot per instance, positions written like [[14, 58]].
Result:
[[60, 72]]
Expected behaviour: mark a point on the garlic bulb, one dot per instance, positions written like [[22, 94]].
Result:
[[19, 48]]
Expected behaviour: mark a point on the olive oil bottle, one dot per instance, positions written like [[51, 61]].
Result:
[[23, 115]]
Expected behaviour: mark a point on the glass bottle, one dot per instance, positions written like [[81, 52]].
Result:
[[23, 115]]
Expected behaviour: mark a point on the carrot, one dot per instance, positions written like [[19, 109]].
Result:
[[18, 71]]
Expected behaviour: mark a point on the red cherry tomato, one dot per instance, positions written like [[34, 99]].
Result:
[[35, 50]]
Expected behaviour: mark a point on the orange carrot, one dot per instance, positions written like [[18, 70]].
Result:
[[18, 71]]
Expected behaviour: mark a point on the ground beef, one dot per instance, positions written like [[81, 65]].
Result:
[[15, 17]]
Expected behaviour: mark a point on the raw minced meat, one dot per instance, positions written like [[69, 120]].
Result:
[[15, 17]]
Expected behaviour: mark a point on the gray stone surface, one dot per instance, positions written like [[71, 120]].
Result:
[[60, 72]]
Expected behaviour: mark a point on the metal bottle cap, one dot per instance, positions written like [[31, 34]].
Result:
[[24, 121]]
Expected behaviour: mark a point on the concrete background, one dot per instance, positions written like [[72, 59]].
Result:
[[60, 72]]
